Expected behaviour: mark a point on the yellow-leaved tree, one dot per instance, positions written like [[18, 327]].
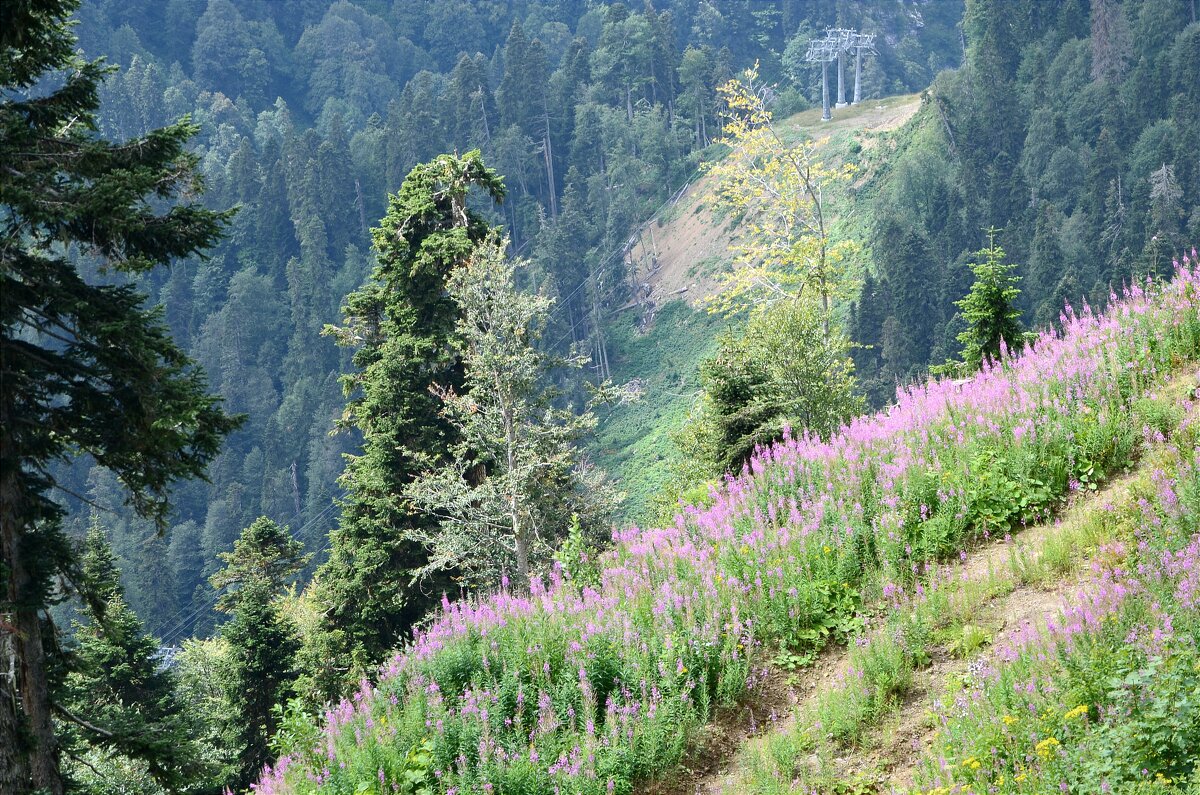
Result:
[[781, 189], [790, 366]]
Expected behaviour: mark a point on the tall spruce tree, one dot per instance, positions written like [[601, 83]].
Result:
[[86, 367], [400, 324], [989, 310], [260, 670]]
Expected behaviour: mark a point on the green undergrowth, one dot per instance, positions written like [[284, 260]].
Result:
[[950, 616], [872, 154], [633, 441]]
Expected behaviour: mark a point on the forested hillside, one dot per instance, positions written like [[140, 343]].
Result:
[[1072, 128], [354, 440], [311, 113]]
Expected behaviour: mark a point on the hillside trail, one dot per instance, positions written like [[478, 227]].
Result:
[[888, 753], [681, 251]]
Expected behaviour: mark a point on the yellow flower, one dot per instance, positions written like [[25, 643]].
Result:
[[1082, 709], [827, 550], [1019, 778], [1046, 747], [1009, 720]]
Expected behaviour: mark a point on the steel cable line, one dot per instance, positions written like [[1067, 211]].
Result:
[[179, 628]]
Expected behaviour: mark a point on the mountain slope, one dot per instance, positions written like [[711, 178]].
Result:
[[829, 736], [680, 251], [659, 337], [595, 681]]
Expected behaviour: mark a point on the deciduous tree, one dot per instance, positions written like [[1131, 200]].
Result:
[[515, 477], [783, 190]]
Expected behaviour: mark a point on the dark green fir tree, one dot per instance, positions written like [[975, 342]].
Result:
[[990, 309], [260, 669], [87, 367], [119, 699], [399, 325]]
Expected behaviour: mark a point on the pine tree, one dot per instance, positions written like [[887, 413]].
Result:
[[1166, 209], [514, 479], [87, 368], [989, 310], [118, 696], [262, 643], [695, 69], [911, 275], [400, 324], [1112, 41], [1045, 263]]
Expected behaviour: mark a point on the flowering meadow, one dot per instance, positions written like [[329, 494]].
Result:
[[595, 679], [1106, 697], [950, 611]]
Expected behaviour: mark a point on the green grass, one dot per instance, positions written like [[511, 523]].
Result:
[[633, 441]]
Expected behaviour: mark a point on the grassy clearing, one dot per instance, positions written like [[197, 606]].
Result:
[[633, 441]]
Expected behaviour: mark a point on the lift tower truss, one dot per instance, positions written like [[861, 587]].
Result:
[[836, 45]]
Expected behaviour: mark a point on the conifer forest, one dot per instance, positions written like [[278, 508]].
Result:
[[553, 397]]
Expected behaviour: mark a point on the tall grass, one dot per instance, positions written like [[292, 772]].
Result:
[[1103, 698], [589, 688]]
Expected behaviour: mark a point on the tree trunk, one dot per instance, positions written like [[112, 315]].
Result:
[[549, 153], [824, 286], [14, 772], [39, 767], [362, 210], [519, 534], [487, 132]]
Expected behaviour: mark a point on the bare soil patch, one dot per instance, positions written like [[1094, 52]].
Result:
[[681, 252]]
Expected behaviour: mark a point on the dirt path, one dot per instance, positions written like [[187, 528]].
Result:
[[771, 708], [899, 753], [711, 767], [888, 754], [1025, 606]]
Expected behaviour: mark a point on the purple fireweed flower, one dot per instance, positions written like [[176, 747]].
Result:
[[707, 592]]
